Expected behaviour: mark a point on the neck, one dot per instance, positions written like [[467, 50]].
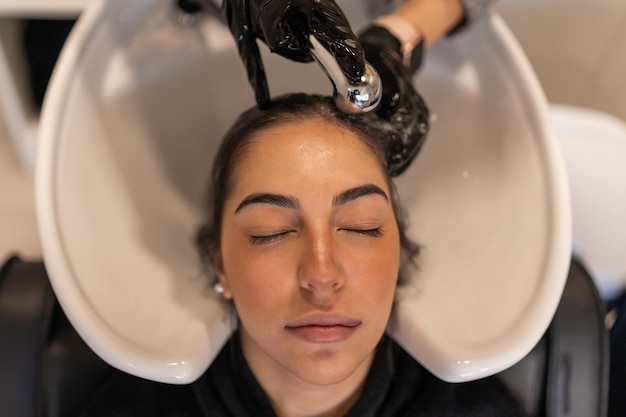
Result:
[[325, 402], [291, 396]]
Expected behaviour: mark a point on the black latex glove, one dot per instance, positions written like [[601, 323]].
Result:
[[285, 25], [402, 112]]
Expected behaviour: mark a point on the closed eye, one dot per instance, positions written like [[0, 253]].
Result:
[[376, 232], [265, 239]]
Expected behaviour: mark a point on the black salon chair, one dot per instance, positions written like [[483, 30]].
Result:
[[617, 380], [48, 371]]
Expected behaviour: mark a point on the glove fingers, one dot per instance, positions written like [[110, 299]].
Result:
[[402, 116], [251, 58], [402, 111], [284, 28], [410, 122]]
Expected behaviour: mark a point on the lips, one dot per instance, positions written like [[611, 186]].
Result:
[[324, 328]]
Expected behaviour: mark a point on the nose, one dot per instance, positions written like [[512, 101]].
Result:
[[320, 273]]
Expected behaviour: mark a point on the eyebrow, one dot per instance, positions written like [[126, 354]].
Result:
[[293, 203], [268, 198], [358, 192]]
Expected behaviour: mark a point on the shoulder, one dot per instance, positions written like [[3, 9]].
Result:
[[488, 397], [123, 395]]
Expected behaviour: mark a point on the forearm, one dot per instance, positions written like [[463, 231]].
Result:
[[433, 18]]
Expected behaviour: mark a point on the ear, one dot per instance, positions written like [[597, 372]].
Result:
[[218, 265]]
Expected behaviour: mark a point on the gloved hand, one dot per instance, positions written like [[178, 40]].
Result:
[[285, 25], [402, 112]]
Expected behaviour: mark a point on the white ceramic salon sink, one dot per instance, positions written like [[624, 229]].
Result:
[[135, 109], [578, 51]]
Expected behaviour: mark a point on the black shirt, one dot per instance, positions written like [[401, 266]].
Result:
[[396, 386]]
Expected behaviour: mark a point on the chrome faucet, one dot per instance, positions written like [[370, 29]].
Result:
[[350, 97]]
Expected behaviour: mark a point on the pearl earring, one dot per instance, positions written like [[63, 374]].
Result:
[[219, 288]]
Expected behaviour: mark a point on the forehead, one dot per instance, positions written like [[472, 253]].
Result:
[[306, 150]]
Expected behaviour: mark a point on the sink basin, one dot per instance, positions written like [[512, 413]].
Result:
[[136, 107]]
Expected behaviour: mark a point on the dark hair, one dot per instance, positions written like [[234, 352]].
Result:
[[285, 109]]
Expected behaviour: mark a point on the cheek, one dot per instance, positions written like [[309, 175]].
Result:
[[378, 269], [258, 279], [383, 276]]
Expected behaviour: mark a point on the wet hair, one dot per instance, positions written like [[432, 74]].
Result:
[[288, 109]]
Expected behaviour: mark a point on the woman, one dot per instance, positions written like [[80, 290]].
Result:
[[305, 236]]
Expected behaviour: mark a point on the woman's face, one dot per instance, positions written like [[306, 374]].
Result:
[[309, 252]]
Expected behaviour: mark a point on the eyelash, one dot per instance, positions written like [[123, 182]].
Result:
[[265, 239], [377, 232], [262, 240]]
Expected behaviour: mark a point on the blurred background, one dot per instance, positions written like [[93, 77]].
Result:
[[31, 35]]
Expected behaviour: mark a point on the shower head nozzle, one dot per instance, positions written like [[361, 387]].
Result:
[[350, 97]]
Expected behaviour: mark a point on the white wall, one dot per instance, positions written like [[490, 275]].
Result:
[[578, 48]]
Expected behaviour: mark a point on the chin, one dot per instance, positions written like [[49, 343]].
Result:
[[326, 367], [322, 378]]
